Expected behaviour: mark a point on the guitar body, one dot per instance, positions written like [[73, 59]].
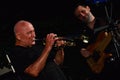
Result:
[[96, 61]]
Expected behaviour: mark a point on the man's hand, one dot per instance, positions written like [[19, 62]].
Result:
[[85, 53]]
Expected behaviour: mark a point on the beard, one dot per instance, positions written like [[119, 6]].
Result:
[[89, 18]]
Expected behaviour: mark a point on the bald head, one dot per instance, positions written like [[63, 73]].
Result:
[[20, 26], [24, 33]]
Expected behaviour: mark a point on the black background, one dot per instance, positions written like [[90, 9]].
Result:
[[46, 15]]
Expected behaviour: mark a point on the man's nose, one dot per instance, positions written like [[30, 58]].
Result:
[[33, 34]]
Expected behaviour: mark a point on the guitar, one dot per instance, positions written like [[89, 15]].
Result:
[[97, 59]]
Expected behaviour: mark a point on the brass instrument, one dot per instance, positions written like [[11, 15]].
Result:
[[69, 41]]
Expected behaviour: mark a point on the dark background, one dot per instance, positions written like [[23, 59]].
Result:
[[46, 15]]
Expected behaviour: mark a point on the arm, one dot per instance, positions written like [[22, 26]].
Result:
[[98, 47], [59, 58], [35, 68], [96, 66]]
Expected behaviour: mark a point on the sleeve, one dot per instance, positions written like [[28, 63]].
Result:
[[20, 60]]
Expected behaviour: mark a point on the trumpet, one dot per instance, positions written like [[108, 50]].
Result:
[[67, 41]]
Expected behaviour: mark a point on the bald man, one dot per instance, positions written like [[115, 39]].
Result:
[[36, 62]]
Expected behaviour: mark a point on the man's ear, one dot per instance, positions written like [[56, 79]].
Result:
[[18, 36]]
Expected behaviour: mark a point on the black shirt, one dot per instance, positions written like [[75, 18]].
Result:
[[22, 57]]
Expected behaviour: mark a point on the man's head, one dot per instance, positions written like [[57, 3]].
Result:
[[83, 13], [24, 33]]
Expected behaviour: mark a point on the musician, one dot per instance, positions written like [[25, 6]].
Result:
[[85, 68], [36, 62]]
